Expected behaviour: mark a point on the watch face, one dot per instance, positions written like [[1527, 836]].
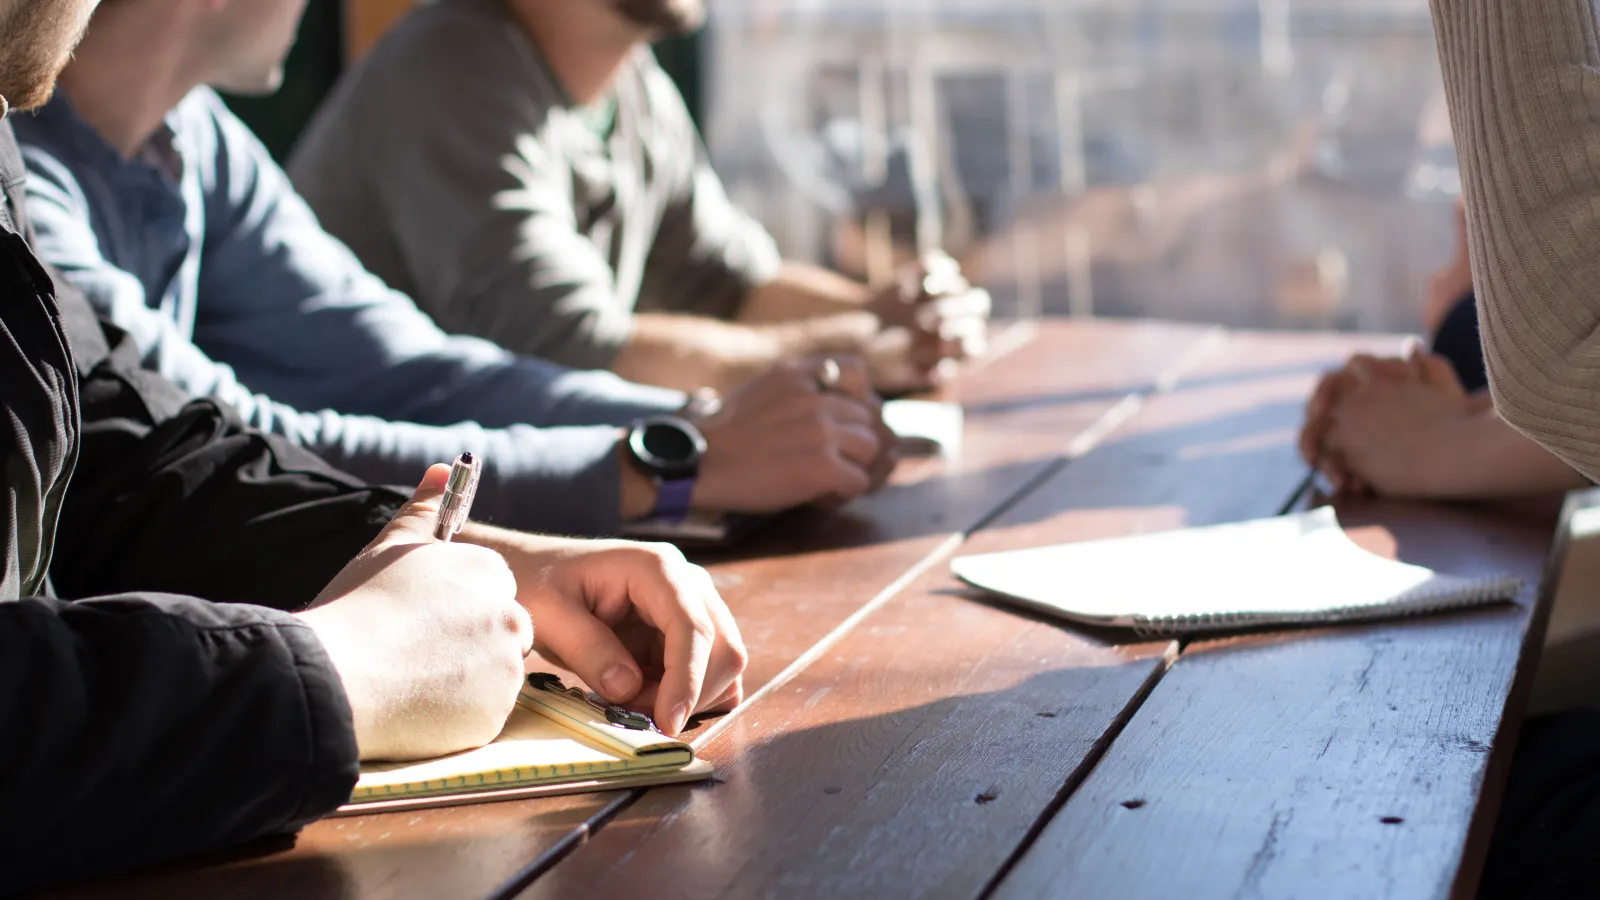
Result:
[[668, 447], [668, 444]]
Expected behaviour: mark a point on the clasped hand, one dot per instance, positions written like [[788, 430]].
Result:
[[1383, 424], [929, 315]]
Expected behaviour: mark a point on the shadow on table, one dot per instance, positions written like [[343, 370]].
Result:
[[929, 759], [925, 800], [236, 873]]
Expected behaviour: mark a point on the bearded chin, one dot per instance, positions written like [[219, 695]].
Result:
[[664, 18], [38, 47], [28, 86]]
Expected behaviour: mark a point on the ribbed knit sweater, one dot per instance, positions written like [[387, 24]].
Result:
[[1523, 81]]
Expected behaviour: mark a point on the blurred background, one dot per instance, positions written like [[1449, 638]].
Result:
[[1256, 163]]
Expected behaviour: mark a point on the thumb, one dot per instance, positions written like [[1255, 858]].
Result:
[[415, 520]]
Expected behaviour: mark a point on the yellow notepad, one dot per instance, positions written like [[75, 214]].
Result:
[[552, 743]]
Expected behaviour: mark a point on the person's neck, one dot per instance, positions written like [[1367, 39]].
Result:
[[585, 45], [126, 76]]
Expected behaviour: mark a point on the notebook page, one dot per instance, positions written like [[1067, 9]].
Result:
[[1291, 568], [925, 427], [531, 748]]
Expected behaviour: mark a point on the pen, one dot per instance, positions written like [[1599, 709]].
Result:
[[458, 495]]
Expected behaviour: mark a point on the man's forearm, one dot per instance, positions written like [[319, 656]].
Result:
[[692, 352], [1523, 81], [804, 291]]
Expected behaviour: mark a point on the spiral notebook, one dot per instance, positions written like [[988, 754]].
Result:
[[1291, 570], [553, 743]]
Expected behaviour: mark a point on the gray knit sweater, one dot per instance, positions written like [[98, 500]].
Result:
[[1523, 80]]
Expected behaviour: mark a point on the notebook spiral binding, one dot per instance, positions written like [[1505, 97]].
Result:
[[1429, 597]]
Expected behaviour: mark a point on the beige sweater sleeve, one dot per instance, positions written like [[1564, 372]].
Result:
[[1523, 80]]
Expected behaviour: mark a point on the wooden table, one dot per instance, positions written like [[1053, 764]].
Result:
[[906, 739]]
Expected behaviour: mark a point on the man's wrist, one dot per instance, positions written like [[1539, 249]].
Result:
[[639, 491], [1445, 473]]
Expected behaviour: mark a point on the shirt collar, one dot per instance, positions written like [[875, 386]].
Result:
[[160, 152]]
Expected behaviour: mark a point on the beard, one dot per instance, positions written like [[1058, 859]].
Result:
[[37, 39], [663, 18]]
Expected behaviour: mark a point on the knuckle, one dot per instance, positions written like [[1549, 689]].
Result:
[[668, 555], [702, 576], [514, 622], [701, 625], [738, 656], [829, 438]]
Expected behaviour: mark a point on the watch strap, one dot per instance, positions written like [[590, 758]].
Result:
[[674, 496]]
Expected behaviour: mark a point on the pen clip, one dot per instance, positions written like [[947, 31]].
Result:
[[616, 715]]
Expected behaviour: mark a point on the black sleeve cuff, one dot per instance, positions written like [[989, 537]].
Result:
[[334, 758]]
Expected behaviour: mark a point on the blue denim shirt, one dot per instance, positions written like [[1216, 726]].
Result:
[[200, 248]]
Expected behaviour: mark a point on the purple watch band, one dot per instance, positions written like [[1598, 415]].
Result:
[[673, 498]]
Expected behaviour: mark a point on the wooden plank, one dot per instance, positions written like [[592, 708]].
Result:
[[796, 583], [792, 588], [395, 855], [1337, 763], [917, 755]]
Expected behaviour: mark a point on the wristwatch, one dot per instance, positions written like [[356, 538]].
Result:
[[668, 449]]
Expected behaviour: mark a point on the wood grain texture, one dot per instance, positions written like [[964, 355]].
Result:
[[457, 852], [917, 755], [1334, 763], [790, 588], [796, 582]]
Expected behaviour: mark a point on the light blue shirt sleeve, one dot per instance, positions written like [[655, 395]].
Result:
[[306, 327]]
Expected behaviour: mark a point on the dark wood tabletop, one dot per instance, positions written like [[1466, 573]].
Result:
[[906, 738]]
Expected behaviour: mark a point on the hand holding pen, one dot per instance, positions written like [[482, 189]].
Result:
[[427, 636], [637, 623]]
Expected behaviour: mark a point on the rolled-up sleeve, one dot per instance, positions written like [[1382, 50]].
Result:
[[474, 203], [708, 253], [484, 231]]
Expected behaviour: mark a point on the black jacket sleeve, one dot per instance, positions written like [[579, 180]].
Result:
[[139, 728], [179, 496]]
